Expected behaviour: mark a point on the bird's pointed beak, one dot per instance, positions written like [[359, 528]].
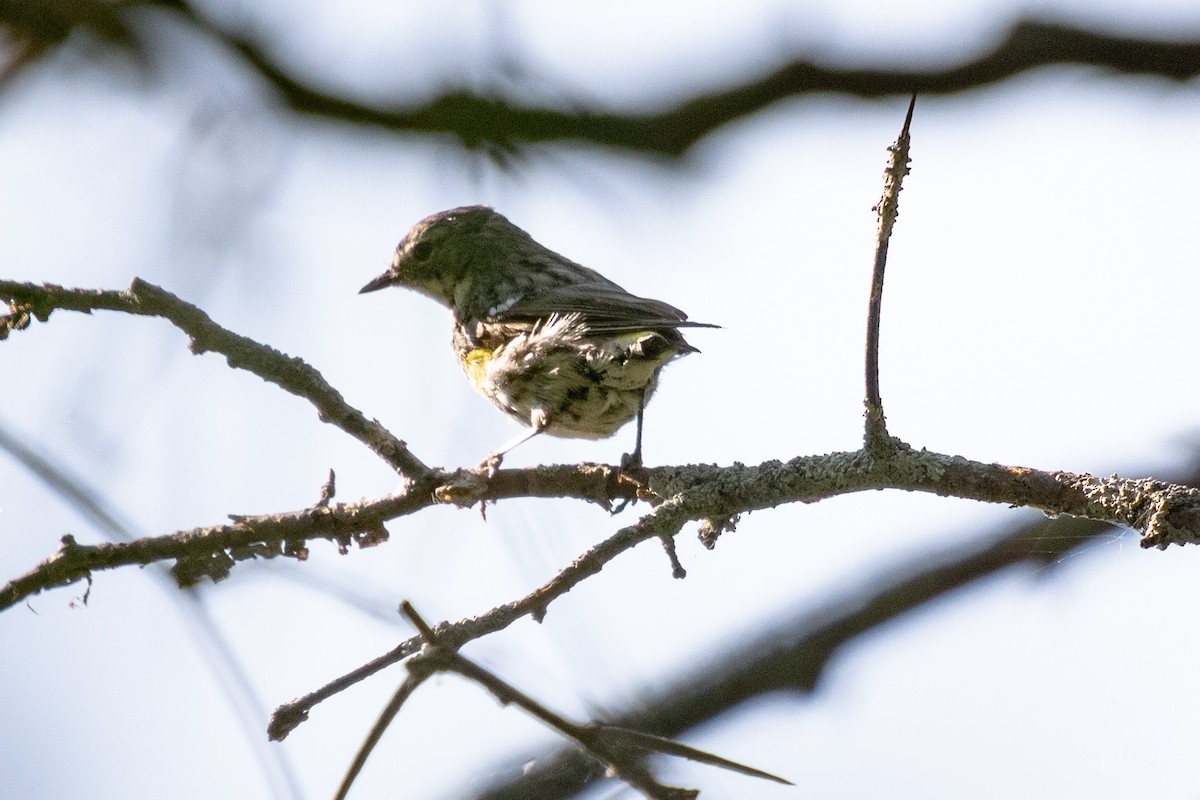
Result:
[[384, 280]]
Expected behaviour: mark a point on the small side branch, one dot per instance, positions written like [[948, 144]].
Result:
[[665, 520], [888, 208], [211, 551], [26, 300], [205, 552]]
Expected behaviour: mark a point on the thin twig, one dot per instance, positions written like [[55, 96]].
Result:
[[620, 749], [438, 656], [665, 518], [289, 373], [409, 685], [888, 208]]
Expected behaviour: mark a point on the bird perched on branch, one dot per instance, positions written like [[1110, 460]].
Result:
[[553, 344]]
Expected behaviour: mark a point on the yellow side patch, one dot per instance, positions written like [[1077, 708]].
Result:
[[475, 363]]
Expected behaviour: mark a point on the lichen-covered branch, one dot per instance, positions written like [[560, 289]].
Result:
[[1163, 513]]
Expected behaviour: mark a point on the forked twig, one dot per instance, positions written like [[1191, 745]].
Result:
[[620, 749]]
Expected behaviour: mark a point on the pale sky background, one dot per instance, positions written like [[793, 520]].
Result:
[[1040, 310]]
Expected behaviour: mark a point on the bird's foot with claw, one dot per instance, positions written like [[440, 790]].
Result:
[[491, 464], [632, 471]]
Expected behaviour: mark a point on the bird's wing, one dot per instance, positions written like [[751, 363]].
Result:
[[605, 308]]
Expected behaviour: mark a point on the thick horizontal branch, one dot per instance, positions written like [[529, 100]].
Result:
[[1163, 513]]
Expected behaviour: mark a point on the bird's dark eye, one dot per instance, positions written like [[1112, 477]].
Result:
[[422, 251]]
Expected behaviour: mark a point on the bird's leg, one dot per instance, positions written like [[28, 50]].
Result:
[[634, 460], [496, 457]]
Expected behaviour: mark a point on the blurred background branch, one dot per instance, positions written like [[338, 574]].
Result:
[[500, 124]]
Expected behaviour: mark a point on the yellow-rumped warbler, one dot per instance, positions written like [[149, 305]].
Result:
[[555, 345]]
